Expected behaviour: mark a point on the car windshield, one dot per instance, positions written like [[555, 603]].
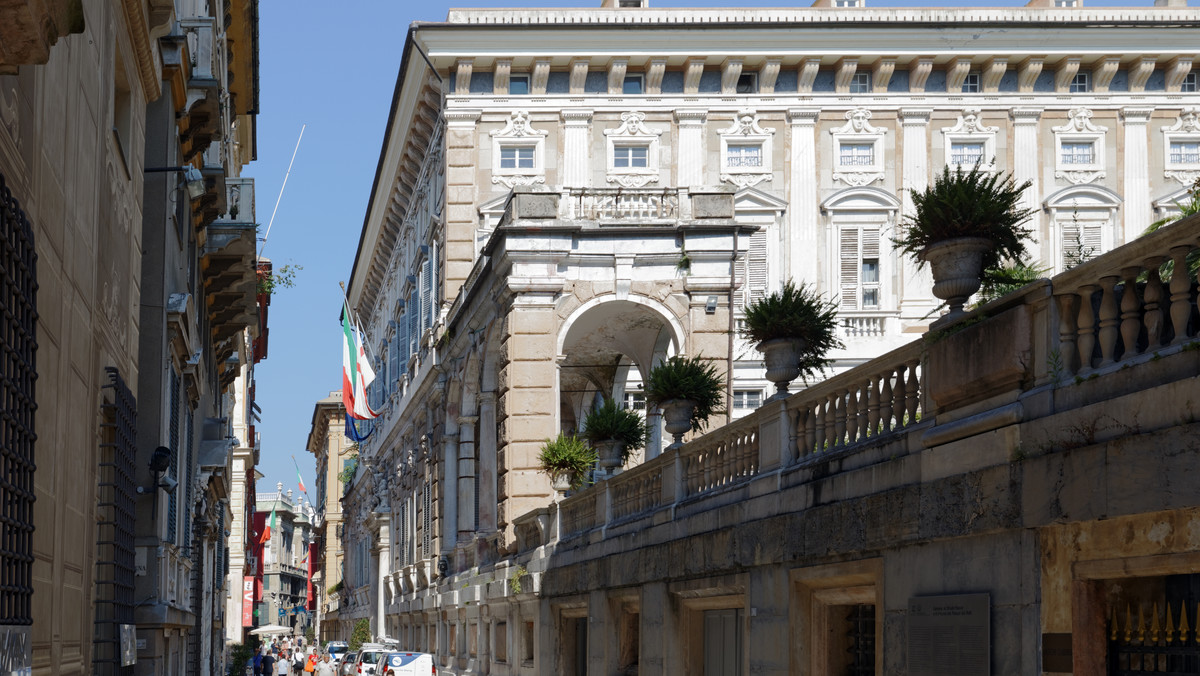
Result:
[[337, 648], [371, 658]]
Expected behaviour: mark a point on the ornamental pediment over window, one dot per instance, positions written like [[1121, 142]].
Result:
[[858, 149], [746, 150], [518, 152], [970, 143], [1079, 148], [633, 152]]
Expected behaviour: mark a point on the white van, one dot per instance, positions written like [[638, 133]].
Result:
[[407, 664]]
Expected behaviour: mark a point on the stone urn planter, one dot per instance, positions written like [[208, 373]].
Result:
[[781, 357], [957, 269], [612, 455], [561, 483], [677, 418]]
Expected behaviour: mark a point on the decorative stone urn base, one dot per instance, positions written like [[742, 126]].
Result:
[[561, 483], [781, 356], [677, 418], [957, 269], [611, 456]]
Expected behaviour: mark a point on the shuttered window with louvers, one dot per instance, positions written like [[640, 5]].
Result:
[[427, 293], [756, 268], [1081, 241], [858, 258], [414, 328]]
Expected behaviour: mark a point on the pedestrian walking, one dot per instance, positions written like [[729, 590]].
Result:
[[325, 667], [283, 667], [266, 667]]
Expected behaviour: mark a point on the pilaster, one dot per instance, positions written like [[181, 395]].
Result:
[[804, 231], [1026, 167], [487, 462], [916, 285], [466, 476], [690, 169], [1137, 172], [576, 131], [461, 158]]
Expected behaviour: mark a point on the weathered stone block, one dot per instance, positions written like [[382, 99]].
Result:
[[464, 176], [712, 205], [460, 157], [537, 205], [530, 347], [980, 361], [531, 401], [532, 321]]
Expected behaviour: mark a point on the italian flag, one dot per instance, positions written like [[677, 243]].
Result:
[[299, 478], [357, 375], [270, 527]]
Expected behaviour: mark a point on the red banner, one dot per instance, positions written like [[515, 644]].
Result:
[[248, 601]]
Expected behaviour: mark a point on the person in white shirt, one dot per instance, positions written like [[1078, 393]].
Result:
[[325, 667]]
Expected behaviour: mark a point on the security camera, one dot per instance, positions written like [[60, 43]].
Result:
[[168, 484]]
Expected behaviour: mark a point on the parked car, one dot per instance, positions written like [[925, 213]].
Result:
[[407, 664], [348, 666], [337, 650], [368, 660]]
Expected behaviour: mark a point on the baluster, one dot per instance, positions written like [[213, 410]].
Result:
[[839, 419], [831, 438], [1180, 286], [851, 415], [799, 418], [885, 403], [1131, 312], [1108, 319], [1087, 327], [811, 416], [913, 401], [1067, 313], [863, 401], [819, 444], [899, 396], [1153, 314], [873, 405]]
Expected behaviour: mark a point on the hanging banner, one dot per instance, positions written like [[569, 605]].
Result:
[[248, 601]]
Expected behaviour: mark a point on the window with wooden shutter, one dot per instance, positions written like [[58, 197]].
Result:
[[427, 293], [402, 338], [756, 268], [414, 328], [394, 360], [859, 268], [1081, 241]]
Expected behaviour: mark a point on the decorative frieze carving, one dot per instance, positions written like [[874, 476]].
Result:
[[858, 149], [1082, 159], [632, 138], [518, 136], [970, 131], [1182, 166]]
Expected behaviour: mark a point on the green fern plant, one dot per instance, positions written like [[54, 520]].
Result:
[[691, 378], [796, 312], [1004, 279], [611, 422], [567, 454], [969, 204]]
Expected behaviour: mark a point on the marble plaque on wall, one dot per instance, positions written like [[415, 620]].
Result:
[[949, 635]]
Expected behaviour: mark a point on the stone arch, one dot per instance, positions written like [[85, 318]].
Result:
[[1083, 223]]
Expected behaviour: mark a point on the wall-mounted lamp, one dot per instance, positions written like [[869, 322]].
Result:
[[160, 460], [191, 175]]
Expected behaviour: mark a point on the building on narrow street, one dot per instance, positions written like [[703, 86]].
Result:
[[334, 454], [131, 303], [565, 197], [286, 560]]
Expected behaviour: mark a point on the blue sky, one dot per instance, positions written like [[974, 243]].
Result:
[[333, 70]]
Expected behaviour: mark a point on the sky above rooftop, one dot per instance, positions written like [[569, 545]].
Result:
[[332, 72]]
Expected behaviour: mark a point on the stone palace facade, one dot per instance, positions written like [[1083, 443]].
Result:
[[565, 197]]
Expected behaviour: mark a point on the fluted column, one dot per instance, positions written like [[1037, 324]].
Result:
[[691, 147], [576, 127], [466, 476], [1026, 168], [804, 230], [1137, 173], [487, 462], [916, 286]]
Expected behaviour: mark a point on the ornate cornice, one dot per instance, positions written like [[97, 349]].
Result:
[[148, 64]]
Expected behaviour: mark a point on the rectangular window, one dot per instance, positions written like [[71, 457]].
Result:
[[856, 154], [1081, 83], [1190, 82], [966, 153], [869, 282], [518, 85], [747, 399], [516, 157], [846, 3], [1066, 3], [500, 643], [635, 401], [1185, 152], [744, 155], [747, 83], [971, 84], [861, 84], [633, 84], [630, 157], [527, 642], [1078, 152]]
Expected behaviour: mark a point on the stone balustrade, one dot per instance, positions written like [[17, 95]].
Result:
[[644, 205], [1130, 301]]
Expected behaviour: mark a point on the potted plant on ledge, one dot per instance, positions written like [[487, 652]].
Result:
[[566, 460], [615, 433], [688, 390], [794, 329], [963, 224]]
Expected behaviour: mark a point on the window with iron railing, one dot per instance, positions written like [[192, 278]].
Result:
[[1083, 152], [856, 154], [744, 155], [966, 154], [1185, 152]]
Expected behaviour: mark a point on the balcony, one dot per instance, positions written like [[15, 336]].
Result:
[[200, 117], [284, 569]]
